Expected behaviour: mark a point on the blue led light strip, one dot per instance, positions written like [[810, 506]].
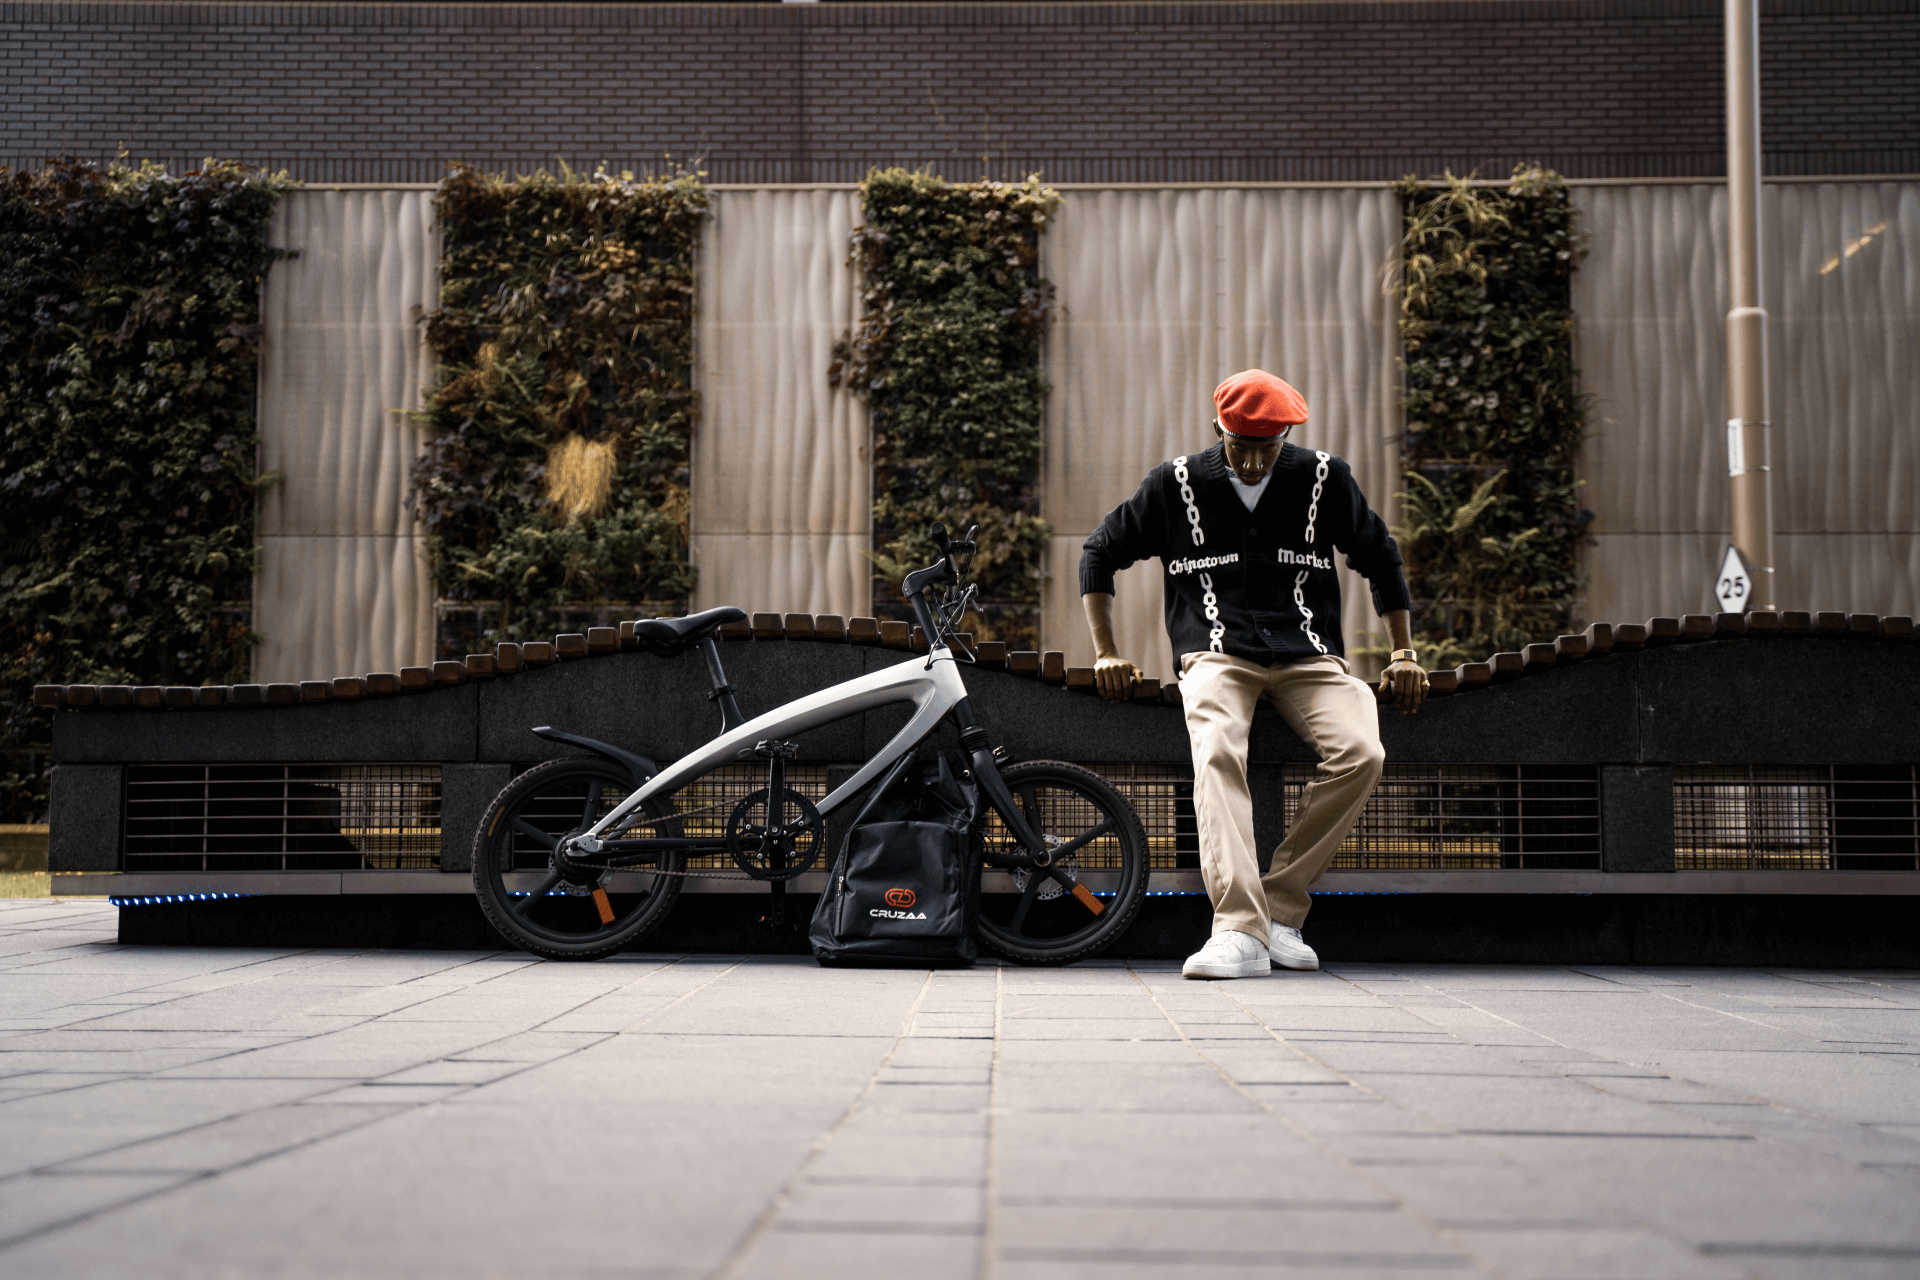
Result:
[[165, 899]]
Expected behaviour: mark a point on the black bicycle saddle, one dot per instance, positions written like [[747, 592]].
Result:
[[675, 634]]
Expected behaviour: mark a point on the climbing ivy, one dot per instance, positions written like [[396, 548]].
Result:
[[1492, 528], [129, 330], [553, 486], [947, 356]]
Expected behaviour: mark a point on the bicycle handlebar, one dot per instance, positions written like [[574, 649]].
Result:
[[942, 572]]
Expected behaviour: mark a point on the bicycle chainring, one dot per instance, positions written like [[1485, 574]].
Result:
[[767, 849]]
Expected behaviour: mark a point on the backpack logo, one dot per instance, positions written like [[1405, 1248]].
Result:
[[901, 900]]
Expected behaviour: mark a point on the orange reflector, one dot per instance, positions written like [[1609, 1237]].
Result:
[[1087, 900], [605, 907]]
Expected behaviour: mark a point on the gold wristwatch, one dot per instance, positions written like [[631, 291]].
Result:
[[1404, 655]]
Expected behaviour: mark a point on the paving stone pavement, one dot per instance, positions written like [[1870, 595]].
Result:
[[185, 1112]]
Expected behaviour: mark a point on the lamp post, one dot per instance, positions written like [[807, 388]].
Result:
[[1748, 455]]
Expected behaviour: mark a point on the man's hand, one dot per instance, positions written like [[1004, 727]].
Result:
[[1115, 677], [1407, 683], [1403, 679]]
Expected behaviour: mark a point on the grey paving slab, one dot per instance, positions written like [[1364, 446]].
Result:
[[1490, 1194], [49, 1081], [21, 1055], [1192, 1155], [55, 1127], [231, 1143], [420, 1114], [1589, 1251], [1082, 1050], [946, 1148], [1857, 1088], [364, 1049], [791, 1250], [817, 1202], [38, 1202], [1106, 1089], [1277, 1230], [1470, 1103]]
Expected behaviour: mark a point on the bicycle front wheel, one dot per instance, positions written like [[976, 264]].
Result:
[[1097, 841], [569, 913]]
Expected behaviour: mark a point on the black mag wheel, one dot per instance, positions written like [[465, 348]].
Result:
[[1100, 846], [565, 911]]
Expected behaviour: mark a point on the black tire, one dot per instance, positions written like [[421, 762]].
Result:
[[553, 917], [1067, 802]]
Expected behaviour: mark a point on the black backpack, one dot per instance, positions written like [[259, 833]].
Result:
[[905, 889]]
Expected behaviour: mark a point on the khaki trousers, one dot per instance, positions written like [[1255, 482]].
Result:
[[1336, 715]]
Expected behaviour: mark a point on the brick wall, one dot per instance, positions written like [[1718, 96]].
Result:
[[1083, 92]]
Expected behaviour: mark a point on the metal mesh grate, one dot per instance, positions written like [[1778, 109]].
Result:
[[1762, 818], [1163, 797], [282, 817], [1469, 817], [1420, 817]]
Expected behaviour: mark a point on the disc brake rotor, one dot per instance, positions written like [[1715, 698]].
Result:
[[1050, 888]]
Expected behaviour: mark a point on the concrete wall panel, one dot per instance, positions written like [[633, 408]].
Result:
[[783, 463], [343, 587], [1841, 283]]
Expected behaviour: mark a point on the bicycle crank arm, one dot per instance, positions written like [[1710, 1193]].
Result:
[[1081, 894]]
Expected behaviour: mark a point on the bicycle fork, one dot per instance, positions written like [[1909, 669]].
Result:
[[973, 740]]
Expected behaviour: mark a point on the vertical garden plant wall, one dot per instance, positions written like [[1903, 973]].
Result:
[[1492, 528], [947, 356], [129, 329], [554, 483]]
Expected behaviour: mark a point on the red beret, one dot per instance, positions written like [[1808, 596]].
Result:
[[1257, 404]]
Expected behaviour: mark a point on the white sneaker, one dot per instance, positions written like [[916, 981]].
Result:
[[1285, 946], [1228, 954]]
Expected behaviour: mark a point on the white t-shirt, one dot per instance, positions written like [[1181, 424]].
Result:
[[1250, 493]]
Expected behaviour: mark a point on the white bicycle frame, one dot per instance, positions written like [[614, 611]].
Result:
[[931, 683]]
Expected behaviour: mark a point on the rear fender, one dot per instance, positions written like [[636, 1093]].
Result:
[[638, 767]]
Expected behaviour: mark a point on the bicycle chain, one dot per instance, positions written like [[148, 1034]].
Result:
[[700, 873], [661, 871]]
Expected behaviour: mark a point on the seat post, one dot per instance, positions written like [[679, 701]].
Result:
[[730, 717]]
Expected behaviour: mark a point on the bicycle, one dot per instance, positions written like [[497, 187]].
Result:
[[582, 857]]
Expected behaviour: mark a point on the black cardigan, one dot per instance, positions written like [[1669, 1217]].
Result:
[[1257, 584]]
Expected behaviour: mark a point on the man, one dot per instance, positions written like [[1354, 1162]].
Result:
[[1246, 532]]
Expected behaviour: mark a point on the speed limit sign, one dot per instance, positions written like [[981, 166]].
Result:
[[1733, 588]]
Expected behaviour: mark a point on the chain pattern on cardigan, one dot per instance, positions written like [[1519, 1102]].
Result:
[[1300, 579], [1217, 629]]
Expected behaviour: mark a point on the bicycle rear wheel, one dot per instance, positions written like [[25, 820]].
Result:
[[1099, 842], [569, 914]]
